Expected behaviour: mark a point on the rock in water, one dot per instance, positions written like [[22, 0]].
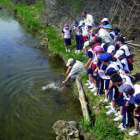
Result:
[[66, 130]]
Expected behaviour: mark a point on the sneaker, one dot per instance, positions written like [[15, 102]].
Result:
[[85, 55], [95, 94], [121, 125], [110, 112], [104, 100], [108, 107], [76, 51], [87, 84], [110, 103], [68, 50], [94, 89], [133, 133], [124, 128], [118, 118], [117, 114], [91, 86]]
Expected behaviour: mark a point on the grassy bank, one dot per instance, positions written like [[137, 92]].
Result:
[[31, 17], [104, 127]]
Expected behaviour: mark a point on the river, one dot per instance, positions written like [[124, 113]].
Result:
[[32, 97]]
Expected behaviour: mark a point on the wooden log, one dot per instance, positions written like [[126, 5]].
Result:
[[135, 45], [82, 99]]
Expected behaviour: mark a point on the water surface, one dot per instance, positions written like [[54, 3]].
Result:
[[26, 111]]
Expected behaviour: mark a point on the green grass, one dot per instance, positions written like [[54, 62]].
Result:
[[102, 126]]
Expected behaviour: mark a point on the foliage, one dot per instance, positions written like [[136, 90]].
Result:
[[86, 124]]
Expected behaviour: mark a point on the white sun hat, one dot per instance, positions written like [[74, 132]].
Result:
[[119, 53], [110, 49], [104, 19]]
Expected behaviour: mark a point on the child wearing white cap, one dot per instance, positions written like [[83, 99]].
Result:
[[121, 56]]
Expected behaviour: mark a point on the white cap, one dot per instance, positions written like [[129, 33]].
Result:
[[119, 53], [70, 61], [110, 49], [86, 44], [104, 19]]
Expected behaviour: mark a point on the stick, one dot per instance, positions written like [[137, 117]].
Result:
[[63, 9]]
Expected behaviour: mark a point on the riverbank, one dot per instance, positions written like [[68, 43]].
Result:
[[102, 126]]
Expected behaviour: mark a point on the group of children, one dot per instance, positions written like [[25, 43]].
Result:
[[109, 70]]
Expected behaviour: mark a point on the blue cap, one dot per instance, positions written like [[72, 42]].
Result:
[[74, 22], [108, 26], [126, 89], [81, 22], [110, 71], [105, 57], [135, 99]]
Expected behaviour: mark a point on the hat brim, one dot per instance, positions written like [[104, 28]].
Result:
[[109, 51], [67, 64], [86, 44], [132, 101], [116, 56]]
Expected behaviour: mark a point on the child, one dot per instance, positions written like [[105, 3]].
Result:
[[126, 88], [108, 28], [124, 47], [105, 59], [121, 56], [136, 100], [100, 67], [90, 70], [84, 30], [66, 34], [79, 41]]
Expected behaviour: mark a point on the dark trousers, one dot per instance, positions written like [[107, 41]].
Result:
[[79, 42]]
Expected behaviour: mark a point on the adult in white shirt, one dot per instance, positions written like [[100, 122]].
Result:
[[75, 67], [88, 19]]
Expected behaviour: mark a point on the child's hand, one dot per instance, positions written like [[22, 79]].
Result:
[[85, 65], [127, 103], [61, 38]]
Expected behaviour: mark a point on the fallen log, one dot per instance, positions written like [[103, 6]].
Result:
[[135, 45], [82, 99]]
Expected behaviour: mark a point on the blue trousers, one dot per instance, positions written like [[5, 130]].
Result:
[[79, 42], [100, 83], [126, 114]]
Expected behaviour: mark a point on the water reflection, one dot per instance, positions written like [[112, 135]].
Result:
[[27, 111]]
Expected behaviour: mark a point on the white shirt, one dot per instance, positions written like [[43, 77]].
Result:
[[127, 81], [125, 64], [112, 65], [137, 89], [66, 33], [106, 38], [84, 30], [89, 20], [77, 68], [125, 47], [118, 63], [76, 31]]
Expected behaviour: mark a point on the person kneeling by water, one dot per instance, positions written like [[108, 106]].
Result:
[[75, 67]]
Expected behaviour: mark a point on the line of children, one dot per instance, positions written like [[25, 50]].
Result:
[[112, 69], [108, 69]]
